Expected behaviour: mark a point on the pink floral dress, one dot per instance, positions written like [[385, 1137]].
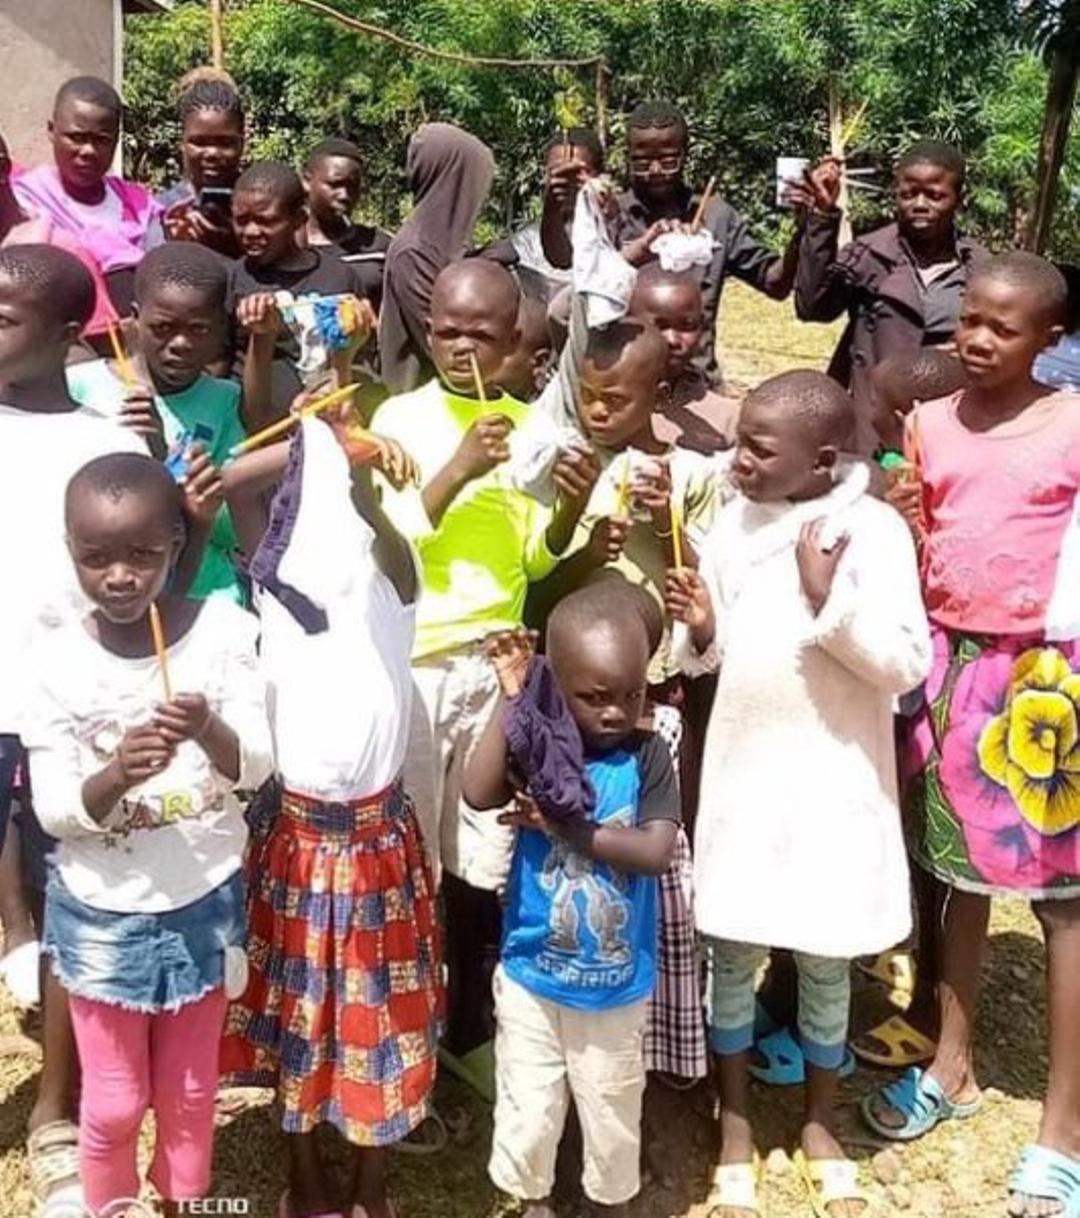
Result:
[[992, 771]]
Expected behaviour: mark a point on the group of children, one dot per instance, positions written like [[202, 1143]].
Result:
[[330, 749]]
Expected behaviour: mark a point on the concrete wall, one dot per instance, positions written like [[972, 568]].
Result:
[[42, 43]]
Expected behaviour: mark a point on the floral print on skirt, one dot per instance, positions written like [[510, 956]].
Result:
[[992, 766]]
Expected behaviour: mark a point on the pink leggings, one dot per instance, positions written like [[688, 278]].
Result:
[[131, 1062]]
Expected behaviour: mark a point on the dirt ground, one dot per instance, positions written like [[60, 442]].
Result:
[[959, 1171]]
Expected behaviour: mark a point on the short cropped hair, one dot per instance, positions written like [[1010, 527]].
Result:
[[610, 601], [183, 264], [584, 138], [607, 346], [657, 114], [814, 396], [333, 146], [117, 475], [92, 90], [273, 178], [1042, 280], [921, 375], [62, 286], [934, 152]]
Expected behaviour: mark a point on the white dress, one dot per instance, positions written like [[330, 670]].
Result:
[[798, 840]]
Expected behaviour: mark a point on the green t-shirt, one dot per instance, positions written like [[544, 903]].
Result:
[[208, 412]]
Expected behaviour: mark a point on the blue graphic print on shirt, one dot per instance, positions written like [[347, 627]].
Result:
[[577, 931]]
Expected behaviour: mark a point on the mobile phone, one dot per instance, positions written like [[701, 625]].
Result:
[[215, 198]]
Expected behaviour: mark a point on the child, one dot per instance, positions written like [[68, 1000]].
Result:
[[46, 295], [900, 382], [798, 841], [525, 370], [199, 207], [113, 220], [333, 178], [991, 759], [480, 542], [578, 958], [138, 783], [180, 328], [269, 214], [342, 1010], [690, 412], [627, 521], [901, 286]]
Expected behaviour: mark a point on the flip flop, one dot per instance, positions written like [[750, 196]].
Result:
[[1048, 1175], [785, 1064], [917, 1096], [828, 1181], [905, 1045], [896, 971], [734, 1185]]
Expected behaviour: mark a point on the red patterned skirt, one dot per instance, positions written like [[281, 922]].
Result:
[[345, 996]]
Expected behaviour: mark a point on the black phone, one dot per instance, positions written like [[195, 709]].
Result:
[[215, 198]]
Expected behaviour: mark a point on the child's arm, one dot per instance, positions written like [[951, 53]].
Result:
[[143, 753], [258, 314], [687, 600], [203, 495], [247, 481], [485, 445], [864, 594], [486, 778], [575, 474], [189, 717], [393, 554]]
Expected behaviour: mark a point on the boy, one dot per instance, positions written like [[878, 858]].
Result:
[[180, 328], [899, 383], [479, 543], [627, 521], [578, 959], [690, 413], [659, 198], [115, 221], [525, 370], [269, 214], [46, 295], [901, 286], [333, 178]]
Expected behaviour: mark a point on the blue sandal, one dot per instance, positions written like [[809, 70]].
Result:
[[918, 1098], [786, 1066], [1050, 1176]]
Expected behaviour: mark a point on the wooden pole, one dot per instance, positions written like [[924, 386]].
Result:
[[1060, 96], [602, 75], [217, 42]]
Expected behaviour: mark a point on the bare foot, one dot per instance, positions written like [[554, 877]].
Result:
[[818, 1142]]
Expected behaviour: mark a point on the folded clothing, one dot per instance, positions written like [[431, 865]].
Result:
[[547, 747]]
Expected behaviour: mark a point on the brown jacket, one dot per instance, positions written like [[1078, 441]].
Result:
[[874, 281]]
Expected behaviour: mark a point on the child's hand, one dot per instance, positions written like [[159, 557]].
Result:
[[511, 653], [143, 752], [686, 598], [526, 815], [575, 474], [177, 221], [186, 717], [140, 414], [485, 445], [258, 313], [817, 566], [652, 490], [607, 539], [904, 492], [388, 457], [201, 487], [637, 252], [366, 321]]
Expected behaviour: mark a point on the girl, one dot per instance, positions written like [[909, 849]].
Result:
[[144, 912], [798, 841], [992, 759], [342, 1011], [199, 207]]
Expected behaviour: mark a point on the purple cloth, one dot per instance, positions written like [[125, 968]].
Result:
[[547, 747], [266, 560]]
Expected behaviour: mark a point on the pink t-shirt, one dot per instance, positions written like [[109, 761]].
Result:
[[997, 506]]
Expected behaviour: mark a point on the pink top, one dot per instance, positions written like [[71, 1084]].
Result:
[[997, 506], [116, 241]]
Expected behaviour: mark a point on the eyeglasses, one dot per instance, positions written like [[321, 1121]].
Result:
[[668, 166]]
